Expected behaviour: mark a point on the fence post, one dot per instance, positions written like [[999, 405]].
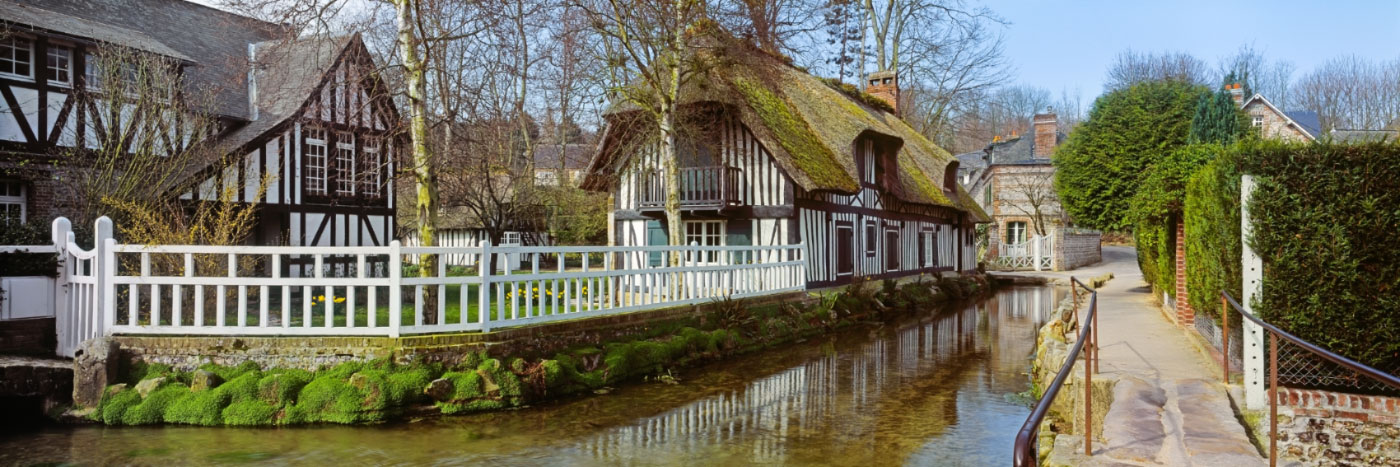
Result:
[[102, 248], [483, 271], [61, 310], [395, 287], [109, 287], [1252, 342], [1035, 252]]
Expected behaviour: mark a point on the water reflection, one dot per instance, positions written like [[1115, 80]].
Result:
[[930, 390]]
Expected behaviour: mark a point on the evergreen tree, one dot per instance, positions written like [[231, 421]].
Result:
[[1218, 119]]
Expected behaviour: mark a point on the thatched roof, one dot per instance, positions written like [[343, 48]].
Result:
[[807, 124]]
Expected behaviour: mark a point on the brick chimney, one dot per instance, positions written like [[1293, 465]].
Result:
[[884, 85], [1236, 93], [1046, 130]]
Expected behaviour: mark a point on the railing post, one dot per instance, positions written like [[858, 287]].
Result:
[[1088, 397], [395, 288], [1252, 267], [1095, 332], [1225, 337], [483, 271], [62, 311], [1273, 399], [102, 232]]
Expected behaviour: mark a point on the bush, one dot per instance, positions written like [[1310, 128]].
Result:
[[1212, 219], [28, 264], [1326, 221], [1157, 208], [1105, 159]]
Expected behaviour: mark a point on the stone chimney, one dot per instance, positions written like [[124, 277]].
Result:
[[1236, 93], [1046, 130], [884, 85]]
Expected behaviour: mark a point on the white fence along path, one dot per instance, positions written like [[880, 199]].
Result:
[[118, 289], [1036, 253]]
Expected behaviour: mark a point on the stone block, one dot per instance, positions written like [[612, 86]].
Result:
[[146, 386], [95, 366], [203, 380]]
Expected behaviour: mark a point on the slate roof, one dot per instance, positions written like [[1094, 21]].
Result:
[[1306, 119], [576, 156], [1363, 136], [287, 73], [807, 125], [20, 17], [1019, 150], [215, 40]]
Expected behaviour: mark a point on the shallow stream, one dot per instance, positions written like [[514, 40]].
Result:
[[933, 389]]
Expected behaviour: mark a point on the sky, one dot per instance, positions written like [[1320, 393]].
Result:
[[1068, 45]]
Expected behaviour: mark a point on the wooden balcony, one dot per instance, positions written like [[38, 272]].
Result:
[[713, 187]]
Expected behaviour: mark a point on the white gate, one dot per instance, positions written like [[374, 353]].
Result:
[[1036, 253], [78, 294]]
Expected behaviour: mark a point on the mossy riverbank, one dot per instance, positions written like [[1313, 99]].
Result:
[[365, 392]]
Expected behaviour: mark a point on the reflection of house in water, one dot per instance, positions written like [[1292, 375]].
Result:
[[878, 399]]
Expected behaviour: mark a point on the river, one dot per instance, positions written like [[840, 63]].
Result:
[[932, 389]]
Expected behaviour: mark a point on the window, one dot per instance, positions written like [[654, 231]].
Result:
[[1258, 120], [12, 203], [892, 249], [845, 248], [92, 71], [510, 238], [370, 170], [870, 233], [1015, 233], [17, 57], [987, 196], [927, 252], [705, 233], [344, 163], [60, 65], [315, 161]]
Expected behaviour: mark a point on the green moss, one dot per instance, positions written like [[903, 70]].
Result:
[[152, 409], [242, 388], [280, 387], [857, 94], [252, 412], [327, 398], [114, 405], [806, 150], [198, 408], [465, 384], [142, 370], [229, 373], [406, 386]]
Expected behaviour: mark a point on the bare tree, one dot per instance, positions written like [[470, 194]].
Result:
[[1130, 67], [1033, 194], [1260, 75], [784, 27], [1351, 92], [650, 47]]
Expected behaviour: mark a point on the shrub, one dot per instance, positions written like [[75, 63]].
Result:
[[28, 264], [1212, 217], [113, 406], [1157, 208], [152, 409], [1326, 221]]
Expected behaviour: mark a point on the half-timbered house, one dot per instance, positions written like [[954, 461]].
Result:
[[307, 115], [771, 155]]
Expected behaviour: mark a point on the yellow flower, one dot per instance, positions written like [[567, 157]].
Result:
[[340, 299], [321, 297]]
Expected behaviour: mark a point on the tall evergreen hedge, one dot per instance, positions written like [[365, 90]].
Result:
[[1157, 208], [1326, 221], [1212, 217]]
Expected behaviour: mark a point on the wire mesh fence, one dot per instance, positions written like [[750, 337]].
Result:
[[1214, 335], [1301, 368]]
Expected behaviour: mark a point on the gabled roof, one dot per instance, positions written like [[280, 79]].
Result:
[[1311, 132], [1307, 120], [1363, 136], [215, 40], [16, 16], [809, 127], [286, 77], [1018, 150]]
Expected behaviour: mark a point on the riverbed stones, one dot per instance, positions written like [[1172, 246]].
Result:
[[146, 386], [203, 380], [440, 389], [94, 367]]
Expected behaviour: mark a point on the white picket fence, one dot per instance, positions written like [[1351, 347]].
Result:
[[1036, 253], [122, 289]]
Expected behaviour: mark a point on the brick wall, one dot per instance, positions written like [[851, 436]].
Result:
[[28, 336], [1073, 250], [1185, 315], [1331, 428]]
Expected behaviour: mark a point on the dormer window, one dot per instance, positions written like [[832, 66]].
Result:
[[17, 58]]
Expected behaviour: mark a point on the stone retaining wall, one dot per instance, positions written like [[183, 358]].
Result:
[[186, 353], [1332, 428], [1073, 250]]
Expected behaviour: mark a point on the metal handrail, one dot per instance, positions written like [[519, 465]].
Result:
[[1026, 455], [1274, 334]]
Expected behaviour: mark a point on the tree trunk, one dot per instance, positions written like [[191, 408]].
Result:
[[426, 187], [669, 165]]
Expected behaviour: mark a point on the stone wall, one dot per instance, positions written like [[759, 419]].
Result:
[[186, 353], [1331, 428], [1076, 249], [28, 336]]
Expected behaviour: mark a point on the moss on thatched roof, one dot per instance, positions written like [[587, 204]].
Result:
[[808, 124]]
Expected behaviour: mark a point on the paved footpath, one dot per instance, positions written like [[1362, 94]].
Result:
[[1169, 407]]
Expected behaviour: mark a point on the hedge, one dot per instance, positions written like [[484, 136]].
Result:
[[1157, 208], [1212, 217], [27, 264], [1326, 222]]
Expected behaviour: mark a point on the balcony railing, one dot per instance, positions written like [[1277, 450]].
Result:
[[701, 187]]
